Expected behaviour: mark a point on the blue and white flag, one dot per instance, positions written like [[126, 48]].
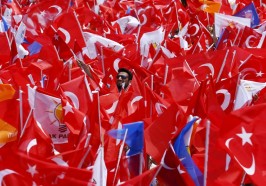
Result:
[[250, 12], [134, 138], [186, 159]]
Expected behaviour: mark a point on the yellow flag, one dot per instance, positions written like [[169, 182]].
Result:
[[210, 6], [7, 132], [6, 92]]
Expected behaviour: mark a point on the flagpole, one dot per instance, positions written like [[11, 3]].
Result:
[[237, 86], [222, 67], [87, 152], [156, 54], [152, 90], [207, 139], [140, 163], [99, 115], [197, 43], [165, 74], [26, 123], [20, 109], [232, 62], [191, 72], [137, 38], [243, 179], [119, 155], [102, 60], [177, 16]]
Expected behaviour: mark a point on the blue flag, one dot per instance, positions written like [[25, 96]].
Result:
[[6, 26], [134, 138], [117, 134], [34, 48], [249, 11], [184, 156]]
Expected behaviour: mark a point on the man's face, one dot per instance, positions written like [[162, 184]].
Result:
[[122, 80]]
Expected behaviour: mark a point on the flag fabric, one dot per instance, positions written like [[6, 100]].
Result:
[[7, 133], [59, 104], [183, 154], [134, 138], [99, 175], [47, 111], [163, 128], [34, 48], [243, 143], [145, 178], [6, 92], [5, 50], [249, 11], [148, 38], [173, 172], [221, 21], [245, 92]]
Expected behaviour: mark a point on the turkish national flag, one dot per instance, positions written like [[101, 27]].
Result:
[[162, 128], [245, 142]]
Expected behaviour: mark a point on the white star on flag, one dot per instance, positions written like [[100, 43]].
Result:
[[259, 74], [245, 137], [32, 170], [68, 108]]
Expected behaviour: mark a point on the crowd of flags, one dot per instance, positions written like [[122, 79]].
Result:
[[193, 114]]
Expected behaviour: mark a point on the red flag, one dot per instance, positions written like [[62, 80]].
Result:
[[5, 49], [173, 172], [69, 28], [145, 178], [78, 92], [162, 128], [244, 141], [73, 118]]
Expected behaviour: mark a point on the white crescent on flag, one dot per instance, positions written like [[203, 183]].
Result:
[[66, 33], [113, 107], [248, 41], [245, 137], [227, 98], [196, 27], [32, 143], [164, 165], [116, 64], [210, 66], [4, 173], [73, 98], [58, 8], [158, 107], [135, 99]]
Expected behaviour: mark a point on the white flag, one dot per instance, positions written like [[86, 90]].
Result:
[[127, 24], [47, 111], [245, 92], [99, 175], [91, 39], [221, 21], [154, 37]]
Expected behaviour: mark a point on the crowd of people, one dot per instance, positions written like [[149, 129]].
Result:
[[132, 92]]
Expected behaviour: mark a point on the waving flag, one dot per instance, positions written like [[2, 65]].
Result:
[[250, 12], [134, 138], [244, 141], [185, 157], [6, 92], [47, 111]]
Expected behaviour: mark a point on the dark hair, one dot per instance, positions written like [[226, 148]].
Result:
[[130, 75]]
